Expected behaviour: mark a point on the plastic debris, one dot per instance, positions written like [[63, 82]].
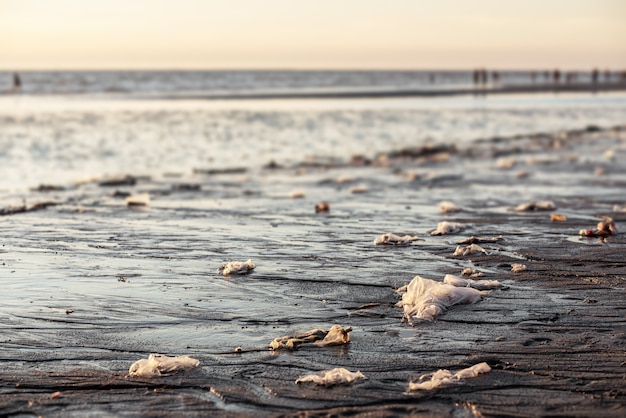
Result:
[[468, 249], [476, 284], [517, 268], [237, 267], [556, 217], [427, 299], [448, 207], [444, 377], [393, 239], [336, 335], [619, 208], [535, 206], [446, 227], [471, 272], [161, 365], [297, 194], [322, 207], [361, 188], [604, 228], [142, 199], [506, 163], [478, 240], [338, 376]]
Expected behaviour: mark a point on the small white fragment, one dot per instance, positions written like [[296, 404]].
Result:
[[142, 199], [361, 188], [427, 299], [446, 227], [444, 377], [237, 267], [336, 335], [468, 249], [516, 268], [448, 207], [332, 377], [297, 194], [476, 284], [393, 239], [506, 163], [161, 365]]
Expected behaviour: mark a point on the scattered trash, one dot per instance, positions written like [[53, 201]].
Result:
[[361, 188], [338, 376], [297, 194], [448, 207], [161, 365], [322, 207], [619, 208], [444, 377], [556, 217], [446, 227], [468, 249], [121, 279], [477, 240], [336, 335], [427, 299], [471, 272], [142, 199], [604, 228], [517, 268], [476, 284], [56, 395], [237, 267], [393, 239], [535, 206], [68, 311]]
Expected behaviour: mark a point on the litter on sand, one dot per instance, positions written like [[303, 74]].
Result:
[[518, 268], [237, 267], [322, 207], [478, 240], [468, 249], [448, 207], [604, 228], [142, 199], [446, 227], [161, 365], [476, 284], [336, 335], [444, 377], [427, 299], [468, 271], [338, 376], [393, 239], [557, 217], [535, 206]]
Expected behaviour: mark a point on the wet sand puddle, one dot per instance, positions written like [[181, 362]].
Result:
[[92, 285]]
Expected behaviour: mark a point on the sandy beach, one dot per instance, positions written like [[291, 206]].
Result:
[[93, 284]]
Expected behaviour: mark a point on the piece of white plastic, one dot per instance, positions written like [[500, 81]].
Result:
[[237, 267], [476, 284], [448, 207], [161, 365], [427, 299], [336, 335], [468, 249], [393, 239], [444, 377], [446, 227], [338, 376]]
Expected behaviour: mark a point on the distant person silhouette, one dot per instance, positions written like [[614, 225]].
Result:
[[17, 82]]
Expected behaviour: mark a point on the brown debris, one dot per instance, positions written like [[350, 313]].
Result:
[[322, 207], [336, 335], [556, 217], [604, 228]]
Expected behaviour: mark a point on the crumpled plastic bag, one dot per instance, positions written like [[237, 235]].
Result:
[[338, 376], [448, 207], [476, 284], [444, 377], [468, 249], [157, 365], [604, 228], [237, 267], [336, 335], [427, 299], [446, 227], [393, 239]]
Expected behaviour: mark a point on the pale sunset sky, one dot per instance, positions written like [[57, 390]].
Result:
[[320, 34]]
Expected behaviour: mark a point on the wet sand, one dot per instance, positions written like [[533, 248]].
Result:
[[91, 286]]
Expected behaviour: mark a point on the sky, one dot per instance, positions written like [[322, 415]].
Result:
[[316, 34]]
